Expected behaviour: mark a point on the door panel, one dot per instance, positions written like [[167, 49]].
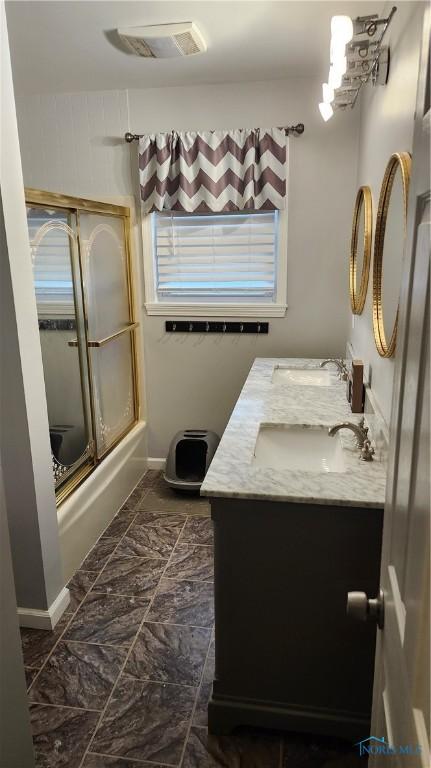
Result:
[[114, 394], [105, 274], [110, 325], [57, 283], [401, 683]]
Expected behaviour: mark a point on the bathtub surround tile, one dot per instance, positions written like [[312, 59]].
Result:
[[146, 721], [200, 716], [254, 749], [148, 541], [98, 556], [119, 525], [78, 587], [193, 562], [136, 576], [109, 619], [37, 644], [198, 530], [183, 602], [60, 735], [78, 675], [169, 654]]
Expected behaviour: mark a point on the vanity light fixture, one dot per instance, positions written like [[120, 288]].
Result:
[[328, 93], [355, 58], [326, 110]]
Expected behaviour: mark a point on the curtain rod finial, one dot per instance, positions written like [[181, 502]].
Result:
[[129, 137]]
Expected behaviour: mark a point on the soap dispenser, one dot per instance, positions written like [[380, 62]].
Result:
[[355, 386]]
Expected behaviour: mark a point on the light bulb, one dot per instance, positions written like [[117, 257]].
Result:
[[342, 28], [335, 77], [337, 50], [341, 65], [326, 111], [328, 93]]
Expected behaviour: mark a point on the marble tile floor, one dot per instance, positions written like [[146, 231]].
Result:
[[124, 679]]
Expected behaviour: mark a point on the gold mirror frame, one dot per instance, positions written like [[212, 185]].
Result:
[[363, 202], [402, 161]]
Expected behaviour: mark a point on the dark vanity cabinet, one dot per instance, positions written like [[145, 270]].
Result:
[[287, 655]]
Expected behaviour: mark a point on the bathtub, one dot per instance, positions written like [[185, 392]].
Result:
[[90, 508]]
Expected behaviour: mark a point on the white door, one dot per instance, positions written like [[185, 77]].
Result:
[[401, 685]]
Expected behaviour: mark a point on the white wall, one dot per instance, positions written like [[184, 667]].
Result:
[[25, 448], [387, 115], [16, 743], [72, 143]]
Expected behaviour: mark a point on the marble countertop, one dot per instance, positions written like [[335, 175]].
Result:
[[234, 474]]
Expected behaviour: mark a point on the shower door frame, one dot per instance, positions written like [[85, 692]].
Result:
[[77, 205]]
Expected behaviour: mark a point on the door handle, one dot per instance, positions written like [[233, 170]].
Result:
[[363, 608], [102, 342]]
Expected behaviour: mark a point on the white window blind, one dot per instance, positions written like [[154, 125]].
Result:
[[215, 257], [52, 272]]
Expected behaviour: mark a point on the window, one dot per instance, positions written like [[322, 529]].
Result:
[[216, 264], [50, 240]]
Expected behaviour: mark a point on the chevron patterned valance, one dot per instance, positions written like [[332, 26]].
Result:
[[213, 171]]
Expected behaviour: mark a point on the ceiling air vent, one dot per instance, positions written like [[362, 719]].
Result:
[[163, 41]]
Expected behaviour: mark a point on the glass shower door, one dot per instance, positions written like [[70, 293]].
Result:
[[57, 284], [110, 326]]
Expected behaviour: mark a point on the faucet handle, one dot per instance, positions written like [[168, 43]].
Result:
[[367, 452]]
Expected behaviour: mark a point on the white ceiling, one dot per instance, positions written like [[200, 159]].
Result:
[[72, 46]]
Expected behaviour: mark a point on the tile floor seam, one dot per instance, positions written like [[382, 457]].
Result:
[[164, 571], [92, 642], [71, 616], [109, 556], [171, 624], [102, 714], [116, 594], [194, 706], [113, 521], [135, 760], [128, 676], [189, 578], [135, 511], [62, 706]]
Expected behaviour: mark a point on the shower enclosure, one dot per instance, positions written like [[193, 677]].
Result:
[[80, 252]]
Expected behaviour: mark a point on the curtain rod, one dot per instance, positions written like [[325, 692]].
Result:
[[297, 130]]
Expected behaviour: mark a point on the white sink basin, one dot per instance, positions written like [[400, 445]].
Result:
[[316, 377], [295, 447]]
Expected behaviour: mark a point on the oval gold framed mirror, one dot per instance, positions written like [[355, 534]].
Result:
[[360, 249], [389, 243]]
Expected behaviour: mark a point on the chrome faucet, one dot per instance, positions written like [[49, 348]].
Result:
[[341, 365], [360, 431]]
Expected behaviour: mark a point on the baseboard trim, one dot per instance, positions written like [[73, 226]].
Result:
[[156, 463], [225, 714], [39, 619]]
